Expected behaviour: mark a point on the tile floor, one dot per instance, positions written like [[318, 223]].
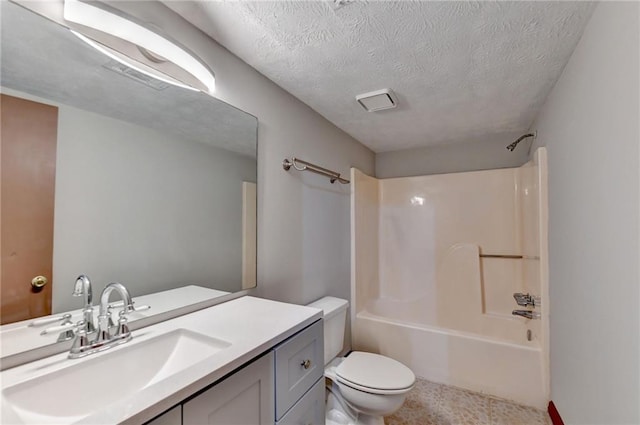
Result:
[[434, 404]]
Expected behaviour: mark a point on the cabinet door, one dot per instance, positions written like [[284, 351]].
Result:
[[170, 417], [244, 398], [309, 410]]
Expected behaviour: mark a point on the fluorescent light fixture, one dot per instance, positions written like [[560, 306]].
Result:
[[130, 63], [113, 24]]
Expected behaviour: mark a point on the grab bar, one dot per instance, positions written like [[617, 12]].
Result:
[[509, 256]]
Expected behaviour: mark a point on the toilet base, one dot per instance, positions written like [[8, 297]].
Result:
[[336, 417], [339, 413]]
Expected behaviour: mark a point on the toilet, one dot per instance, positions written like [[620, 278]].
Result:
[[363, 387]]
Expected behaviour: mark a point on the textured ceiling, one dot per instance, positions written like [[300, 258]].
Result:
[[463, 71], [44, 59]]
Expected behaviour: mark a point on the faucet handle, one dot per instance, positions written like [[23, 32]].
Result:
[[116, 304], [141, 308], [111, 322], [132, 307], [41, 322], [69, 326], [123, 327], [69, 334]]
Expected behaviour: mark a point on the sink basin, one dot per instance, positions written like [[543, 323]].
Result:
[[78, 390]]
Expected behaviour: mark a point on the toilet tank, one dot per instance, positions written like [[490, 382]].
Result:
[[335, 319]]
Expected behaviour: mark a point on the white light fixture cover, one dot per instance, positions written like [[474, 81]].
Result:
[[111, 23], [377, 100], [123, 59]]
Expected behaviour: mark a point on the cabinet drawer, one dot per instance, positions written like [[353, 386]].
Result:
[[299, 364], [309, 410]]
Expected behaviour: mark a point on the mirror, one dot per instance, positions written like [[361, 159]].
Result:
[[154, 185]]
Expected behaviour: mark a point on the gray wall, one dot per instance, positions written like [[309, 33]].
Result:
[[465, 156], [590, 127], [303, 223], [121, 189]]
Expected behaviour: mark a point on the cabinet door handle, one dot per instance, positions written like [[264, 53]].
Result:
[[306, 364]]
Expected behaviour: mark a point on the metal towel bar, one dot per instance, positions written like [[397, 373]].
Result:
[[307, 166]]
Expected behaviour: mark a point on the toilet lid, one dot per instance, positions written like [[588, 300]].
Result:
[[375, 371]]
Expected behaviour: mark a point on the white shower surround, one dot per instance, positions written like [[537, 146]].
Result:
[[448, 317]]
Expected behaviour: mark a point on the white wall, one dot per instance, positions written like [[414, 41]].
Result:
[[121, 189], [466, 156], [590, 127], [303, 223]]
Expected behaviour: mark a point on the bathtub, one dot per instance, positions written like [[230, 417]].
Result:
[[435, 262], [509, 370]]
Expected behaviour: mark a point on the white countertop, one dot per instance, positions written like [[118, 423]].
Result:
[[251, 325], [18, 337]]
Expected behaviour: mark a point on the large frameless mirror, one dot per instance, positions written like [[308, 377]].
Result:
[[110, 173]]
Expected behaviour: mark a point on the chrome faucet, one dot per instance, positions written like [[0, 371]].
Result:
[[88, 339], [104, 324], [528, 314], [82, 288], [106, 337]]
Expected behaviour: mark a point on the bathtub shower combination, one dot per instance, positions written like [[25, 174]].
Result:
[[436, 261]]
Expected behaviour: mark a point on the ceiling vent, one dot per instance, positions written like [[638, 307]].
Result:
[[377, 100], [337, 4]]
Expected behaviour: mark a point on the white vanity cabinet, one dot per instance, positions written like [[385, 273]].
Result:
[[245, 361], [284, 386], [244, 398]]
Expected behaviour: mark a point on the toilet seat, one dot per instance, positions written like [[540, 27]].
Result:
[[374, 374]]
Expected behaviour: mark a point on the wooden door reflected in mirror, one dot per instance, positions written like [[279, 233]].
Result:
[[28, 151]]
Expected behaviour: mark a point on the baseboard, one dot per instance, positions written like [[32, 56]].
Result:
[[553, 413]]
